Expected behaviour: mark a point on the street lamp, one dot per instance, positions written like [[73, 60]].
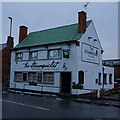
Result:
[[10, 25]]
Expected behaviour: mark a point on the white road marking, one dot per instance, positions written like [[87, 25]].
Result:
[[25, 104], [59, 99]]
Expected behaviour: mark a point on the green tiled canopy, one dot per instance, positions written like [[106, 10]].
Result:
[[51, 36]]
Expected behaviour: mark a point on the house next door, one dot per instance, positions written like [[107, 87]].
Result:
[[66, 82]]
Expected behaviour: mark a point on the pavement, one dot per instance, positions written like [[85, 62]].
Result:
[[96, 101]]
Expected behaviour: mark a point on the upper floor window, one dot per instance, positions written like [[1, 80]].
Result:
[[54, 53], [34, 55], [19, 56]]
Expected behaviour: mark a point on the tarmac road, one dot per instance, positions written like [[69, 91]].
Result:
[[27, 106]]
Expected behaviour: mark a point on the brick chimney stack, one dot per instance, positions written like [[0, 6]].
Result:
[[81, 22], [22, 33], [10, 41]]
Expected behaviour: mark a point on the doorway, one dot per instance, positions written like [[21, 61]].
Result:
[[66, 82]]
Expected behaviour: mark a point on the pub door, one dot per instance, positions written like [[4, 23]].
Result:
[[66, 82]]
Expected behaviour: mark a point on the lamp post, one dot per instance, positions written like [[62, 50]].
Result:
[[10, 25]]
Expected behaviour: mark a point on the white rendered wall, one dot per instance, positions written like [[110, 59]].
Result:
[[74, 64]]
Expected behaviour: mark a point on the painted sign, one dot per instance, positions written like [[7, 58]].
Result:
[[90, 53], [36, 66]]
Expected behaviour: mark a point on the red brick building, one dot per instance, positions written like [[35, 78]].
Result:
[[5, 52]]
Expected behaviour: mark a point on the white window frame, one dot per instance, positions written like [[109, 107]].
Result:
[[110, 78], [21, 56], [21, 77], [33, 80], [44, 82], [52, 52], [33, 53]]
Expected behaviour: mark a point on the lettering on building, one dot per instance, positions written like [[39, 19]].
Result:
[[37, 66]]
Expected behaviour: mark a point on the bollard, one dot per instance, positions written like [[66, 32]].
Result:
[[98, 93]]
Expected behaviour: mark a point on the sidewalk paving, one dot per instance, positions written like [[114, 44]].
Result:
[[96, 101], [99, 101]]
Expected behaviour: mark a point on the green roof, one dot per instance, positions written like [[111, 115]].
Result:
[[51, 36]]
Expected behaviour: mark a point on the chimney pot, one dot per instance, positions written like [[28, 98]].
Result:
[[81, 22], [22, 33]]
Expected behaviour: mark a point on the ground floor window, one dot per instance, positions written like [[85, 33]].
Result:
[[105, 78], [24, 77], [39, 77], [48, 77], [99, 79], [32, 77], [81, 77], [110, 78], [18, 76]]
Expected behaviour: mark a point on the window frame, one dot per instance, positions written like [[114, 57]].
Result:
[[43, 81], [81, 77], [96, 81], [99, 79], [30, 54], [35, 75], [105, 78], [58, 57], [110, 78], [26, 76], [15, 76], [21, 56]]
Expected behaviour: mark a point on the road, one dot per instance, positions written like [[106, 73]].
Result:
[[27, 106]]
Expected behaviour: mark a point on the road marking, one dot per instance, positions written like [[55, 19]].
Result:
[[25, 104], [59, 99]]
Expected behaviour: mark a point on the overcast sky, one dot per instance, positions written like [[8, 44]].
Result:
[[39, 15]]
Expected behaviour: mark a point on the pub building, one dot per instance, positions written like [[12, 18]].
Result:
[[60, 59]]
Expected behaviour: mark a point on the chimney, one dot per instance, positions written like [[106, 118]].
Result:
[[22, 33], [10, 41], [81, 22]]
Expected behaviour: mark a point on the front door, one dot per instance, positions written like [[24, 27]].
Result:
[[66, 82]]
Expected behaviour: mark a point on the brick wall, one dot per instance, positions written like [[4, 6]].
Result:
[[117, 72]]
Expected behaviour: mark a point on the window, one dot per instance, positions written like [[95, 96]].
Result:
[[32, 77], [110, 78], [81, 77], [33, 55], [99, 78], [105, 78], [54, 53], [39, 77], [18, 76], [19, 56], [96, 81], [24, 77], [48, 77]]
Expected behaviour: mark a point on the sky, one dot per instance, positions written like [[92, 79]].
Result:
[[44, 15]]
